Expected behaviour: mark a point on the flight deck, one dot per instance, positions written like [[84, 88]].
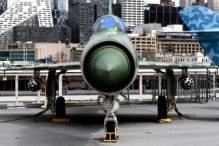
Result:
[[137, 126]]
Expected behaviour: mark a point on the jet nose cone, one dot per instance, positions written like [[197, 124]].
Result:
[[109, 66]]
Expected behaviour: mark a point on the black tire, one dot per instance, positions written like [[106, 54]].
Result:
[[111, 128], [60, 107], [162, 107]]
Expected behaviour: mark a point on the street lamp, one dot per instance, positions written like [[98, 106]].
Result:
[[46, 54], [24, 53], [60, 49], [25, 50]]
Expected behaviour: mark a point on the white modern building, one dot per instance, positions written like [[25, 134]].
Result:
[[213, 5], [198, 58], [25, 13], [132, 12], [186, 3]]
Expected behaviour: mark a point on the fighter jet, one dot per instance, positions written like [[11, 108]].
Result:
[[109, 64]]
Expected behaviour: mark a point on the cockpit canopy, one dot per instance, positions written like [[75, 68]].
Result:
[[110, 23]]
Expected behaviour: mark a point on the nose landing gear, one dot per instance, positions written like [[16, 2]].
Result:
[[111, 128]]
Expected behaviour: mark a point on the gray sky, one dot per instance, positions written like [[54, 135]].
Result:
[[10, 2]]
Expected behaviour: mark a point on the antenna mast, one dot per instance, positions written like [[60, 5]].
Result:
[[110, 7]]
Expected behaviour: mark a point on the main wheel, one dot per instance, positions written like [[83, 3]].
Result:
[[162, 107], [60, 107], [111, 129]]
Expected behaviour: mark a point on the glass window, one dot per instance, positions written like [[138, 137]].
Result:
[[121, 25], [109, 22], [97, 25]]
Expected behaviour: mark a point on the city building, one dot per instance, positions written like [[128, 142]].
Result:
[[164, 14], [30, 51], [75, 54], [186, 3], [82, 16], [132, 12], [147, 29], [197, 58], [117, 9], [148, 41], [25, 13], [213, 5], [145, 45], [103, 3], [59, 12], [3, 6], [41, 34], [165, 2], [178, 44], [200, 3], [17, 52]]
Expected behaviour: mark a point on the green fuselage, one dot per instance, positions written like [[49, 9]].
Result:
[[109, 61]]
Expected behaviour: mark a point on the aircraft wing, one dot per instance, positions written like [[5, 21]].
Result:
[[193, 31], [61, 66], [167, 65]]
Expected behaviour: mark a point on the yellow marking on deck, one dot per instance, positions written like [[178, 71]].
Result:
[[168, 120], [58, 120]]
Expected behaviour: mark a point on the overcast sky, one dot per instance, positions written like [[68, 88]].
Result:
[[10, 2]]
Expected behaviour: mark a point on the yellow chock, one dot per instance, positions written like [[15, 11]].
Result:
[[168, 120], [110, 137], [58, 120]]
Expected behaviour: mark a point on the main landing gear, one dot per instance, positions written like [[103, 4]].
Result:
[[55, 105], [60, 107]]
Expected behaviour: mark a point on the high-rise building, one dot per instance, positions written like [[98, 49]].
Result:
[[186, 3], [23, 13], [82, 16], [59, 12], [3, 6], [103, 3], [37, 34], [117, 9], [213, 5], [132, 12], [165, 2], [164, 14]]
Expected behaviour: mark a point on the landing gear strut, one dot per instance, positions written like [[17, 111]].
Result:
[[111, 128], [56, 106], [172, 92]]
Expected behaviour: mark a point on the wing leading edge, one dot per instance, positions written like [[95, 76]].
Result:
[[165, 65], [61, 66]]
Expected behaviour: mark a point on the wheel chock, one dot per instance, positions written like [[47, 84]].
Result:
[[168, 120], [108, 137], [59, 120]]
